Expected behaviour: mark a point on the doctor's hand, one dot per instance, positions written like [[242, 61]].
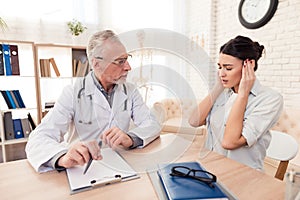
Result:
[[80, 153], [115, 137]]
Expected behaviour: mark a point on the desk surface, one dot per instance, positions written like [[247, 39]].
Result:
[[18, 180]]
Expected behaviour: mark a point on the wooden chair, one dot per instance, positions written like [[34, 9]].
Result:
[[283, 147]]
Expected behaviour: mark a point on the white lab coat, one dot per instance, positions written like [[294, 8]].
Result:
[[61, 127]]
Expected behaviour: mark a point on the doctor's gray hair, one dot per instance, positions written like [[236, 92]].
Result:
[[96, 41]]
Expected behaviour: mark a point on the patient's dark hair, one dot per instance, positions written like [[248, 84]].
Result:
[[243, 48]]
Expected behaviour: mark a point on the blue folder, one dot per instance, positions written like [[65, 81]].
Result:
[[6, 53], [11, 100], [18, 128], [3, 92], [187, 188], [19, 98]]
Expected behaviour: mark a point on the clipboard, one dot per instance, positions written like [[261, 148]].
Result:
[[111, 169]]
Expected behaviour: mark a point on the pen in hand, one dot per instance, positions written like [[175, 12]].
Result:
[[91, 159]]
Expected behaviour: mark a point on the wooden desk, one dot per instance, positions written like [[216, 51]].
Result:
[[18, 180]]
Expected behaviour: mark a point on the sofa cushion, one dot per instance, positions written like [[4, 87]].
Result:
[[173, 114]]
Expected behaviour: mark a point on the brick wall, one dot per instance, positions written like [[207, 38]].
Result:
[[279, 68], [200, 28]]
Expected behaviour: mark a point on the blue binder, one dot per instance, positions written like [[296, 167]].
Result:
[[11, 100], [186, 188], [6, 53], [18, 131], [3, 92], [19, 98]]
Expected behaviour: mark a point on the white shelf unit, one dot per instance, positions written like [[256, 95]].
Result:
[[51, 87], [14, 149]]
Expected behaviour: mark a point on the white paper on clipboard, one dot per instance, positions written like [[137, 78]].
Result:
[[110, 167]]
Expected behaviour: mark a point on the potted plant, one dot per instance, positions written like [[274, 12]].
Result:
[[76, 27]]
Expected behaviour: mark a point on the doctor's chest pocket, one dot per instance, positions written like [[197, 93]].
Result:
[[122, 119], [88, 122]]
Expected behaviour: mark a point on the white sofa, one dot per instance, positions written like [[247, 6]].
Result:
[[173, 114]]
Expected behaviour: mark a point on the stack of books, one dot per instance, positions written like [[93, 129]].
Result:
[[45, 67]]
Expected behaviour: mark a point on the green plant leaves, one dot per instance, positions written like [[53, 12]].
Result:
[[76, 27]]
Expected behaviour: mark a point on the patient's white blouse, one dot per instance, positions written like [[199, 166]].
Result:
[[262, 112]]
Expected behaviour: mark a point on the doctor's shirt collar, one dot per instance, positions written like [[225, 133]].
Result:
[[108, 95]]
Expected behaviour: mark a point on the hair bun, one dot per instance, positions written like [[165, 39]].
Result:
[[259, 48]]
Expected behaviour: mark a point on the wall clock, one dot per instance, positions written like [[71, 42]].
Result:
[[256, 13]]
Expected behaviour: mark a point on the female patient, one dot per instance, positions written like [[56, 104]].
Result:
[[239, 111]]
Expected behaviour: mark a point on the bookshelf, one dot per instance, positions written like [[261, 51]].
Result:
[[70, 62], [37, 89], [25, 81]]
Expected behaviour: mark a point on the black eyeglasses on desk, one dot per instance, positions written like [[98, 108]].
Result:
[[200, 175]]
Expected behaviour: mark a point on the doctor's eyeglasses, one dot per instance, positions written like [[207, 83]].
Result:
[[200, 175], [119, 61]]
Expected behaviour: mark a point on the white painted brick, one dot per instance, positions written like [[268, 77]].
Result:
[[283, 73], [282, 60], [291, 54], [292, 91], [291, 78], [295, 46], [297, 32], [281, 48], [282, 84], [274, 67], [296, 85], [277, 42], [296, 72], [295, 60], [270, 55], [291, 66]]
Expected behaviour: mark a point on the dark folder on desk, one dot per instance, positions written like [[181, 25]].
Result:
[[187, 188], [112, 168]]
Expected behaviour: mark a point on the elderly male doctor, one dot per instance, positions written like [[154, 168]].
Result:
[[98, 106]]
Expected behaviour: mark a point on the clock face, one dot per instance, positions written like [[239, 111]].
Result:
[[256, 13], [254, 10]]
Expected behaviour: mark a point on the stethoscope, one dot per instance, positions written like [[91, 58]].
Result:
[[91, 103]]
